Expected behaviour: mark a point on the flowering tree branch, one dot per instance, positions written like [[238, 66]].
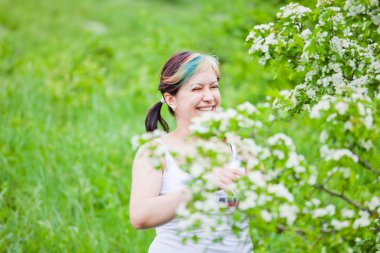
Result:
[[281, 228], [366, 165], [343, 197], [334, 49]]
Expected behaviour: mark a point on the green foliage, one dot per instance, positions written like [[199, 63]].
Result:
[[371, 240], [77, 78]]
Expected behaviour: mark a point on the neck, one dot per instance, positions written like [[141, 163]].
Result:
[[181, 133]]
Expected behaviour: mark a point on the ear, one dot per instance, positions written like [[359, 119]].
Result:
[[170, 100]]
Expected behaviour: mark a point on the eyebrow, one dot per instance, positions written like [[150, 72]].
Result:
[[202, 83]]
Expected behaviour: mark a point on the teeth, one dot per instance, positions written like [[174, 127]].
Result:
[[205, 109]]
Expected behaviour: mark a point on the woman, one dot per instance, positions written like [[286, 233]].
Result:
[[189, 86]]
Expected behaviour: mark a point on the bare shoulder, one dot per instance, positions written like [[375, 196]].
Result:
[[148, 148], [150, 154]]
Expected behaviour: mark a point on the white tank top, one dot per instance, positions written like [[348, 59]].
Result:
[[168, 239]]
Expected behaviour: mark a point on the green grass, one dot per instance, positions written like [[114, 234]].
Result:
[[76, 79]]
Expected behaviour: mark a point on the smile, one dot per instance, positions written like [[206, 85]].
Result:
[[206, 109]]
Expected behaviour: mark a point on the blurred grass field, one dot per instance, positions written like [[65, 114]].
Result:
[[76, 79]]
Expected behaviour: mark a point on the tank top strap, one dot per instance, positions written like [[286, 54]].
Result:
[[235, 155], [162, 144], [236, 160], [234, 152], [168, 156]]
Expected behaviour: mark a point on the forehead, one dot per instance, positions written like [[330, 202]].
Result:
[[204, 75]]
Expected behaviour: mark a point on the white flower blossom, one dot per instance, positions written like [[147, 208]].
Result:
[[257, 178], [271, 40], [347, 32], [347, 213], [285, 93], [294, 11], [345, 171], [305, 34], [348, 125], [262, 60], [250, 200], [182, 210], [373, 203], [198, 128], [331, 117], [289, 212], [336, 154], [265, 215], [299, 169], [359, 81], [210, 204], [366, 144], [353, 8], [250, 36], [341, 107], [321, 105], [320, 212], [263, 199], [367, 121], [336, 45], [244, 122], [374, 2], [311, 93], [338, 225], [196, 170], [362, 221], [135, 141], [321, 2], [247, 107], [323, 136], [271, 118], [263, 27], [312, 180], [279, 154], [361, 109], [281, 191], [292, 161], [281, 137], [316, 202]]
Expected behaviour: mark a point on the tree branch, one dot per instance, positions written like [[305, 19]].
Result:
[[281, 228], [343, 197], [366, 165]]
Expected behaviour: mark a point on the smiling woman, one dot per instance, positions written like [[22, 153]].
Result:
[[189, 86], [195, 74]]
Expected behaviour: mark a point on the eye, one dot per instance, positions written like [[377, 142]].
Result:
[[197, 89], [215, 87]]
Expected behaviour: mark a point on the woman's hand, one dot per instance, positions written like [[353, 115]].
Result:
[[227, 176]]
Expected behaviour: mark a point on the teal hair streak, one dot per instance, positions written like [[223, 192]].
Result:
[[190, 68]]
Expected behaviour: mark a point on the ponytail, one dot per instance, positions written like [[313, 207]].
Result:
[[153, 117]]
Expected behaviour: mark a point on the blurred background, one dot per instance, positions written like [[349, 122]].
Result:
[[76, 80]]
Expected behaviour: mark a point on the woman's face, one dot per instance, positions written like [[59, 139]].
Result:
[[198, 95]]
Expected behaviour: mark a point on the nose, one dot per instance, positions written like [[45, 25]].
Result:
[[208, 96]]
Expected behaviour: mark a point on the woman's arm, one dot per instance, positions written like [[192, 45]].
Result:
[[147, 209]]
